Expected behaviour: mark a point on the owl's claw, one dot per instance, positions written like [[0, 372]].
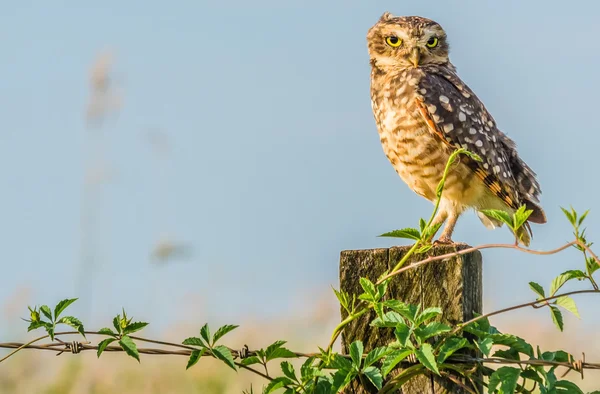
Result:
[[443, 241]]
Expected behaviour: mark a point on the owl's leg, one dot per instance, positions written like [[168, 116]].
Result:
[[447, 211], [446, 237]]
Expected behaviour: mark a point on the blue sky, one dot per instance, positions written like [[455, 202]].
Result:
[[275, 163]]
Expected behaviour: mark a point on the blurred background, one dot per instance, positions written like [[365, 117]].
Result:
[[207, 162]]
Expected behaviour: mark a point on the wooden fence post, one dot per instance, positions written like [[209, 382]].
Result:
[[455, 286]]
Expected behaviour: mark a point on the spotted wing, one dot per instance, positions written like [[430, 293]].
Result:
[[455, 114]]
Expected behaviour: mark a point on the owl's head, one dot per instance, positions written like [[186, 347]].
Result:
[[407, 41]]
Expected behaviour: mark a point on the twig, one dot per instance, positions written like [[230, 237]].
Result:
[[532, 303], [473, 249]]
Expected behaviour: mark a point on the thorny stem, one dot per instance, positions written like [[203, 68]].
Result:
[[512, 308], [337, 331], [473, 249]]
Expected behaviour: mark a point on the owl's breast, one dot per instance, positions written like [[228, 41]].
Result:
[[417, 155]]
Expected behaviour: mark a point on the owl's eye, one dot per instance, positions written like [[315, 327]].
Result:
[[393, 41], [432, 42]]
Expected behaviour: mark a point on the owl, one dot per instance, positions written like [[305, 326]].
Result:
[[424, 112]]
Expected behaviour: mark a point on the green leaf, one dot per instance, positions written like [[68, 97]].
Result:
[[514, 342], [378, 308], [276, 350], [250, 360], [50, 331], [422, 224], [130, 347], [558, 356], [571, 215], [427, 314], [369, 289], [339, 362], [223, 354], [356, 351], [277, 383], [510, 354], [537, 289], [425, 356], [194, 357], [73, 322], [222, 331], [569, 304], [107, 331], [506, 377], [390, 319], [288, 370], [485, 345], [116, 323], [592, 265], [431, 231], [133, 327], [430, 330], [502, 216], [521, 216], [341, 379], [424, 249], [307, 370], [402, 333], [450, 346], [205, 333], [37, 324], [375, 355], [561, 279], [393, 359], [323, 387], [102, 345], [409, 312], [532, 374], [343, 298], [381, 289], [374, 375], [562, 357], [194, 341], [61, 306], [571, 388], [46, 311], [481, 328], [557, 317], [582, 218], [407, 233]]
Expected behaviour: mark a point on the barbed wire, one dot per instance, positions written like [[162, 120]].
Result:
[[76, 347]]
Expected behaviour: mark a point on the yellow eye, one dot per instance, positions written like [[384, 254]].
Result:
[[432, 42], [394, 42]]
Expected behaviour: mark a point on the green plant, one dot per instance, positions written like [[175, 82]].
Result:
[[422, 345]]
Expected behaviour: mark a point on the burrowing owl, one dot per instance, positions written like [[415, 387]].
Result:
[[424, 111]]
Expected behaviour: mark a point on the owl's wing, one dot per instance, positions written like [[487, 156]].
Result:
[[460, 119]]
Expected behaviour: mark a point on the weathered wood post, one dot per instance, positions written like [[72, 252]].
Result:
[[455, 286]]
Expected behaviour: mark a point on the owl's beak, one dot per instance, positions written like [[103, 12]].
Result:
[[415, 56]]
